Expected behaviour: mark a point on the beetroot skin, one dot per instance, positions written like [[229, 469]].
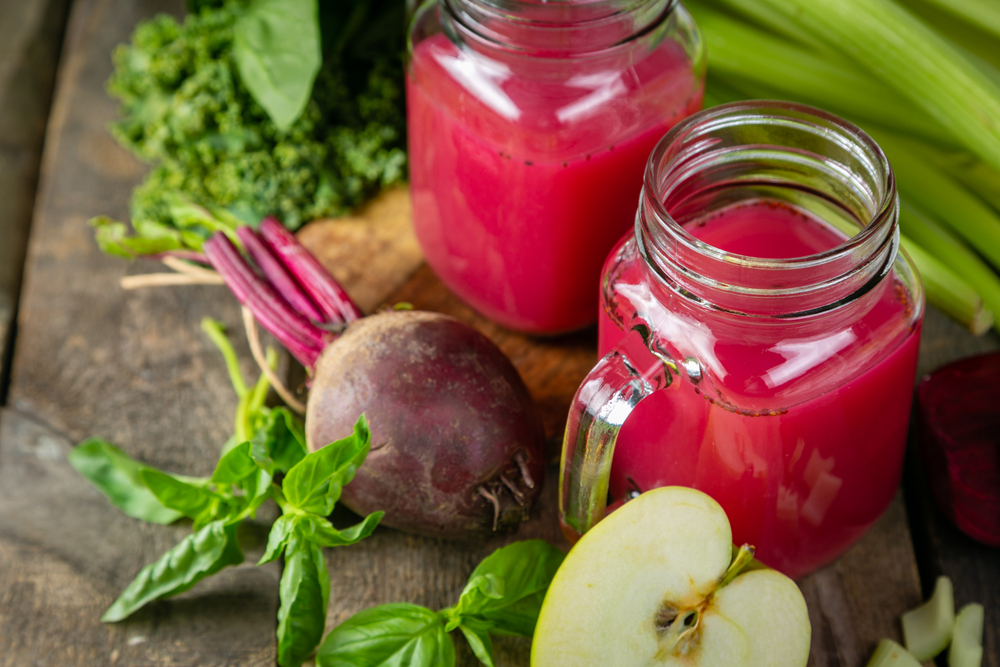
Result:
[[960, 443], [457, 445]]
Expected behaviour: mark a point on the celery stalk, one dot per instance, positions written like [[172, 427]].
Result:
[[738, 50], [984, 14], [941, 244], [947, 291], [775, 21], [890, 654], [936, 192], [965, 168], [927, 629], [911, 57], [967, 640]]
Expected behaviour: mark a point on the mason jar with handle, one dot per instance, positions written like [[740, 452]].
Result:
[[759, 333], [529, 124]]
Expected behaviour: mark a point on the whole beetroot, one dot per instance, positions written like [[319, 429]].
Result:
[[457, 445]]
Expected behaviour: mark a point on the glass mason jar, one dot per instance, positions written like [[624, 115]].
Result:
[[759, 331], [529, 125]]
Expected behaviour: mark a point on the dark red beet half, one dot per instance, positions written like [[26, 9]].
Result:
[[959, 442], [457, 445]]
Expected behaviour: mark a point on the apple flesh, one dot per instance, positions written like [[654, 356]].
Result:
[[657, 583]]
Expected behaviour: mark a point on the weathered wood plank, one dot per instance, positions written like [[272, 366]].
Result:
[[133, 367], [30, 38]]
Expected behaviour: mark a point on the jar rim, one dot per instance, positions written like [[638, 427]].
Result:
[[671, 250], [474, 18], [735, 112]]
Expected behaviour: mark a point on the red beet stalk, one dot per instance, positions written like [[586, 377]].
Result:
[[960, 443], [277, 275], [303, 340], [324, 291]]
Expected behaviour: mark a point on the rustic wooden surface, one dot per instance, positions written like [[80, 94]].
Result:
[[92, 359], [30, 39]]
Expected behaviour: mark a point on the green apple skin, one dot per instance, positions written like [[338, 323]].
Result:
[[658, 555]]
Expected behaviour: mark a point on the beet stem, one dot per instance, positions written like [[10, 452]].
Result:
[[250, 324], [519, 457], [321, 287], [187, 255], [276, 273], [496, 505], [303, 340]]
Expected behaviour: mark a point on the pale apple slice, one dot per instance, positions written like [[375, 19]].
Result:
[[967, 640], [891, 654], [645, 587], [927, 629]]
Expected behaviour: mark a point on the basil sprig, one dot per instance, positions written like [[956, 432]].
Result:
[[503, 597], [242, 480]]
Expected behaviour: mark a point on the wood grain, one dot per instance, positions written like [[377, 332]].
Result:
[[133, 367], [30, 38]]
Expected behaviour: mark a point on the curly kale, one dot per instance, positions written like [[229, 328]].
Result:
[[187, 113]]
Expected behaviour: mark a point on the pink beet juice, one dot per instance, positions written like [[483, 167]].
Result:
[[526, 159], [760, 343]]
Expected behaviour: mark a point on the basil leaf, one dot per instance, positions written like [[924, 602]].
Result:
[[276, 46], [197, 556], [478, 636], [113, 238], [116, 476], [314, 483], [188, 499], [392, 635], [281, 530], [320, 531], [304, 593], [279, 442], [235, 465], [508, 587]]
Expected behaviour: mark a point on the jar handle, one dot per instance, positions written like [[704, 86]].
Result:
[[604, 400]]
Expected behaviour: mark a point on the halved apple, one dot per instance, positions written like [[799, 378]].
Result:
[[658, 583]]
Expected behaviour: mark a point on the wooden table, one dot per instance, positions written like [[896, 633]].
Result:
[[92, 359]]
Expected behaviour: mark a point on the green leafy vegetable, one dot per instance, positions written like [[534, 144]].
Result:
[[276, 46], [117, 477], [279, 442], [508, 587], [314, 484], [391, 634], [304, 593], [235, 465], [503, 596], [188, 499], [197, 102], [241, 482], [197, 556]]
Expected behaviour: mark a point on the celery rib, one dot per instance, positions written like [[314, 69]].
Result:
[[909, 56], [934, 191], [741, 51], [983, 14], [927, 629], [947, 291], [950, 251]]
